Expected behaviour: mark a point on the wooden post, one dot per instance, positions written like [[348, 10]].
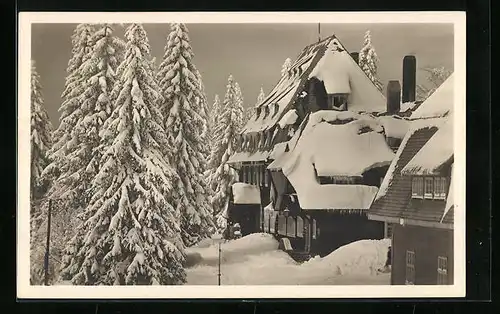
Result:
[[219, 274], [47, 248]]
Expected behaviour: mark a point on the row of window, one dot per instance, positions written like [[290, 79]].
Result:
[[293, 227], [255, 174], [442, 269], [250, 142], [429, 187], [267, 110], [340, 180]]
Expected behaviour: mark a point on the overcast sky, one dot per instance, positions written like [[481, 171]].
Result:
[[253, 53]]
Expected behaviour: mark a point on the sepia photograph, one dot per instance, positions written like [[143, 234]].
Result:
[[206, 154]]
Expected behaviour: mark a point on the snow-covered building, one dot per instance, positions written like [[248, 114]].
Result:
[[415, 200], [244, 207], [318, 147]]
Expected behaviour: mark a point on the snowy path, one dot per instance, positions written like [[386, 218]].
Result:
[[256, 260]]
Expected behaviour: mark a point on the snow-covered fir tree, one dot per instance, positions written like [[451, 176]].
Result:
[[41, 132], [81, 47], [368, 60], [77, 160], [41, 129], [186, 122], [285, 68], [228, 125], [215, 112], [435, 76], [205, 112], [130, 235], [73, 89], [261, 96], [239, 95], [88, 104]]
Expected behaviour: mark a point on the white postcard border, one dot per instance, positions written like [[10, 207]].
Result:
[[25, 290]]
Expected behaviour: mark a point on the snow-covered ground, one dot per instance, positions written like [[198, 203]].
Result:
[[256, 260]]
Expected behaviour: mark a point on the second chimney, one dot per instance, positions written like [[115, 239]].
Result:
[[355, 56], [393, 97], [409, 78]]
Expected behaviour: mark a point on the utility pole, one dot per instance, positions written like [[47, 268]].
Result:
[[47, 248], [219, 264], [319, 32]]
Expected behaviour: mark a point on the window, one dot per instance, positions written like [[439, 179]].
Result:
[[442, 271], [388, 230], [338, 101], [282, 225], [257, 173], [266, 178], [290, 227], [244, 174], [440, 188], [314, 229], [272, 222], [300, 227], [254, 175], [266, 222], [428, 188], [410, 268], [417, 187]]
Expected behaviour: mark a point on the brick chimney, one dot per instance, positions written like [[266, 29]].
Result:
[[355, 56], [393, 97], [409, 78]]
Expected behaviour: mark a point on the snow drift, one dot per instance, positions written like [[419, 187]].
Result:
[[256, 260]]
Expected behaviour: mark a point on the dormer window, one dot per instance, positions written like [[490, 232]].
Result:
[[258, 110], [338, 101], [266, 112], [429, 188]]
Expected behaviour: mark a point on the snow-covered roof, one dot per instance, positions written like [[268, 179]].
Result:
[[289, 118], [407, 106], [436, 152], [334, 149], [248, 157], [334, 143], [336, 196], [328, 61], [394, 126], [439, 103], [341, 75], [433, 112], [244, 193], [414, 126], [278, 150], [284, 92]]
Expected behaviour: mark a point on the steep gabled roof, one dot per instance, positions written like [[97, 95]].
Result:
[[395, 191], [439, 103], [286, 90], [330, 62], [423, 150], [437, 152]]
